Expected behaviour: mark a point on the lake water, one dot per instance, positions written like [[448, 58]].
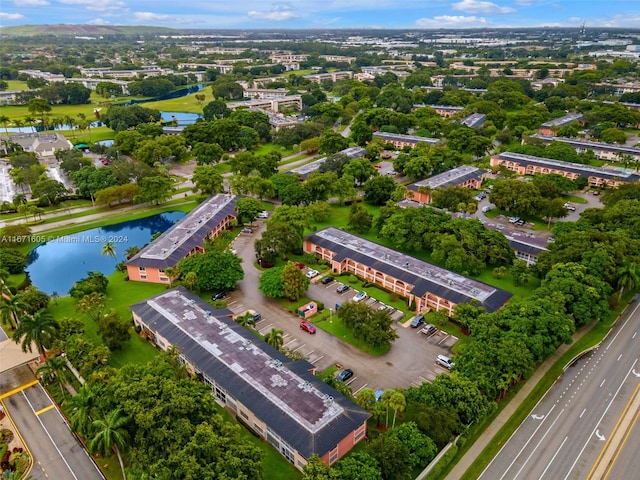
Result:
[[182, 118], [55, 265]]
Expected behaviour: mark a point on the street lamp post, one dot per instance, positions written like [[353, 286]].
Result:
[[330, 314]]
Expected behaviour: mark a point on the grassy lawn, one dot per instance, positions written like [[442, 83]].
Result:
[[574, 199], [84, 136], [120, 294], [187, 104], [271, 147], [16, 85], [333, 325], [294, 159]]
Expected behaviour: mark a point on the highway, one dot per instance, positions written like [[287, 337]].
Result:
[[57, 453], [586, 420]]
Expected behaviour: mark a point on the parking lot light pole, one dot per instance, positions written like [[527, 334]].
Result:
[[330, 315]]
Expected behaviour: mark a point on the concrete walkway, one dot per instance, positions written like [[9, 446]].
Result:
[[488, 435]]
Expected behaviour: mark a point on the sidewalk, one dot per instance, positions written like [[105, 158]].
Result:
[[487, 436]]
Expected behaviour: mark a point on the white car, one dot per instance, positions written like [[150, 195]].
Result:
[[263, 214], [359, 296], [568, 206], [312, 274]]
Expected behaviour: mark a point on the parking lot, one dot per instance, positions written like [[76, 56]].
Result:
[[410, 361]]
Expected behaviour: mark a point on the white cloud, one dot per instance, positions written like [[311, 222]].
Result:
[[31, 3], [278, 13], [150, 16], [631, 20], [452, 21], [524, 3], [477, 6], [99, 21], [98, 6], [10, 16]]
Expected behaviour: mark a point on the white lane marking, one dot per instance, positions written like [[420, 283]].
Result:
[[538, 444], [634, 335], [537, 417], [601, 437], [614, 396], [553, 458], [525, 445], [49, 435], [603, 382], [582, 413], [619, 357], [622, 327]]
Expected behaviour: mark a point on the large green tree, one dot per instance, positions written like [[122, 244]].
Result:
[[215, 270], [40, 329]]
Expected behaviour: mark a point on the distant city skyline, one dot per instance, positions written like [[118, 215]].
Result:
[[318, 14]]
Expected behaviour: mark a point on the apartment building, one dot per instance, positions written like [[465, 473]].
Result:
[[463, 176]]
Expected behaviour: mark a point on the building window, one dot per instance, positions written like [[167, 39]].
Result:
[[142, 269], [164, 279], [333, 456], [220, 394], [244, 415], [358, 436], [258, 429], [143, 277], [161, 270]]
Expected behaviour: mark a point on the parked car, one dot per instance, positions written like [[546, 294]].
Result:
[[417, 321], [345, 375], [521, 223], [487, 208], [299, 265], [378, 395], [308, 327], [595, 192], [383, 307], [247, 230], [326, 280], [568, 206], [342, 288], [444, 361], [514, 219], [428, 329], [254, 317], [218, 295], [312, 274], [359, 296], [263, 214]]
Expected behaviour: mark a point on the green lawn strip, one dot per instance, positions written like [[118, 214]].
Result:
[[294, 159], [272, 147], [187, 104], [332, 324], [574, 199], [274, 465], [16, 85], [85, 136], [595, 335]]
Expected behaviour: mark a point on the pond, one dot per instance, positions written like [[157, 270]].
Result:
[[56, 264], [182, 118]]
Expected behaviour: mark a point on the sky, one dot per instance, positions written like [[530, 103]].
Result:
[[257, 14]]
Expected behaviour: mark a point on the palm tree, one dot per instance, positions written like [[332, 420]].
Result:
[[366, 398], [4, 120], [54, 369], [131, 252], [170, 272], [40, 329], [110, 435], [247, 320], [11, 309], [30, 122], [398, 402], [82, 405], [275, 338], [18, 124], [628, 276], [190, 280], [384, 400], [19, 199], [110, 249], [15, 475]]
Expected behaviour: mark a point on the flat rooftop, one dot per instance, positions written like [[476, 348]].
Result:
[[305, 170], [417, 271], [585, 170], [451, 177]]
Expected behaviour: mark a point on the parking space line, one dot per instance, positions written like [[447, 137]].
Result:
[[318, 359], [356, 392], [352, 380], [289, 342], [446, 336], [309, 353], [422, 378], [299, 347]]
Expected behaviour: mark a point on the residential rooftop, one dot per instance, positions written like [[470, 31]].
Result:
[[563, 121], [577, 142], [303, 410], [424, 276], [474, 120], [452, 177], [181, 238], [406, 138], [304, 170], [584, 170]]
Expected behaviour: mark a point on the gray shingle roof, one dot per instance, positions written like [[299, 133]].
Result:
[[305, 412], [174, 244], [425, 277]]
